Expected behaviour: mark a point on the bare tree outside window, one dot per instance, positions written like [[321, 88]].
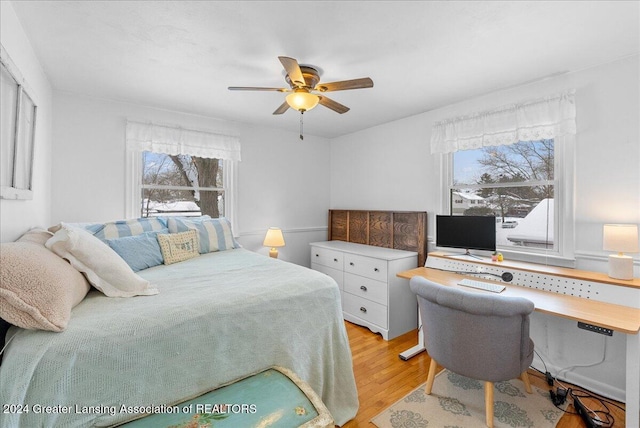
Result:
[[181, 185], [513, 182]]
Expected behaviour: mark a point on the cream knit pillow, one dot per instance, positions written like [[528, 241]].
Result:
[[37, 288]]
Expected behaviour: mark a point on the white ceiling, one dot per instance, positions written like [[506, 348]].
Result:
[[183, 55]]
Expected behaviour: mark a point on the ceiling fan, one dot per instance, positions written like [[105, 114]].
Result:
[[306, 91]]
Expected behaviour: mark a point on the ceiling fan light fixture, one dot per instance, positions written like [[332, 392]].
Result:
[[302, 100]]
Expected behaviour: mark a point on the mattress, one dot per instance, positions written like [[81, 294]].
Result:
[[218, 317]]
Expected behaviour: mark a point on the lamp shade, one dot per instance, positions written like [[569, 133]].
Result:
[[273, 238], [302, 100], [622, 238]]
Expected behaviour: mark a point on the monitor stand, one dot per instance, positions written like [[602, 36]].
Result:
[[466, 254]]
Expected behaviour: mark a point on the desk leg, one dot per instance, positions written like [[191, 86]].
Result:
[[412, 352], [633, 381]]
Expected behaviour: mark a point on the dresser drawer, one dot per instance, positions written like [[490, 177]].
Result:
[[365, 287], [366, 266], [325, 257], [367, 310], [333, 273]]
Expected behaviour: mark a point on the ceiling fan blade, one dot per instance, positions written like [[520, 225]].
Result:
[[283, 107], [292, 68], [364, 82], [333, 105], [256, 88]]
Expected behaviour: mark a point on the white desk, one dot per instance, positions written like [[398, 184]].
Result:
[[619, 318]]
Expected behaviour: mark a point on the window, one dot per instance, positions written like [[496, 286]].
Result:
[[517, 162], [181, 185], [17, 131], [172, 171], [516, 184]]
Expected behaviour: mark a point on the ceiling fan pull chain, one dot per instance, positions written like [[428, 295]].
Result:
[[301, 131]]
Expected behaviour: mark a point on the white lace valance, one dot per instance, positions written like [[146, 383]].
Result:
[[179, 141], [535, 120]]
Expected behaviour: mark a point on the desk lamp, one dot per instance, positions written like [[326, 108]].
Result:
[[622, 238], [273, 239]]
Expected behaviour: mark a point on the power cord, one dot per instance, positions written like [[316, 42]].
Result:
[[575, 366], [591, 418], [7, 343]]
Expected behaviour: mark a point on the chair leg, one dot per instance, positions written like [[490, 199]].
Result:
[[432, 374], [525, 379], [488, 403]]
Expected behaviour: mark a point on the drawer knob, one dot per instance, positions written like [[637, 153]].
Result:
[[317, 255], [351, 263], [335, 260], [376, 270], [363, 309], [363, 288]]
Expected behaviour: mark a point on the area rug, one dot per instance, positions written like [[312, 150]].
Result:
[[457, 401]]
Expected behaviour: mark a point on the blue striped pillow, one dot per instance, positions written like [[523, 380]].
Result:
[[122, 228], [215, 234]]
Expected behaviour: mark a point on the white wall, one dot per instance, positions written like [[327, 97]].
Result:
[[16, 217], [390, 167], [283, 181]]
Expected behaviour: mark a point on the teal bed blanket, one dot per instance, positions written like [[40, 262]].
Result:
[[218, 317]]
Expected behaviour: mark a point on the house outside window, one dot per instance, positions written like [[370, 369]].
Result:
[[516, 184]]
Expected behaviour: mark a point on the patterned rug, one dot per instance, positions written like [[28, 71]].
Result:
[[458, 402]]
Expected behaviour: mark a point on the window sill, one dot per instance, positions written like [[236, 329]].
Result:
[[539, 258]]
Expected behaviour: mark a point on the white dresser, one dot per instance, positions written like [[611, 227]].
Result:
[[372, 295]]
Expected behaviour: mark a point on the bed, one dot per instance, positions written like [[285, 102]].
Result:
[[216, 318]]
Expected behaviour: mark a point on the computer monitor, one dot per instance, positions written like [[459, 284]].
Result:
[[466, 232]]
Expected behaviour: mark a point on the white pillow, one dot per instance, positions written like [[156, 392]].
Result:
[[104, 268]]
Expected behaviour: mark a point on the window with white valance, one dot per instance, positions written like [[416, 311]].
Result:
[[514, 162], [175, 140], [178, 171], [542, 119]]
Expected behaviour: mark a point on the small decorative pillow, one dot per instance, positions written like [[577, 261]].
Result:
[[139, 251], [103, 267], [215, 234], [177, 247], [38, 289]]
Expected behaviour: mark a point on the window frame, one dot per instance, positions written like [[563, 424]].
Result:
[[563, 182], [21, 166], [134, 187]]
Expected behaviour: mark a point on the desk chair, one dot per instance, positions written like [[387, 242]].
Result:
[[480, 335]]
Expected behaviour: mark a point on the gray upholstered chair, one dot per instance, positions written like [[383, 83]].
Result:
[[480, 335]]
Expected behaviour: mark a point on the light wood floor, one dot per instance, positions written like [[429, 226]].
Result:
[[383, 378]]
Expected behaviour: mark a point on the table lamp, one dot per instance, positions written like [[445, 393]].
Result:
[[273, 239], [622, 238]]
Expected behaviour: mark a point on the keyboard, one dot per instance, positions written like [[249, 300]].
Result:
[[481, 285]]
